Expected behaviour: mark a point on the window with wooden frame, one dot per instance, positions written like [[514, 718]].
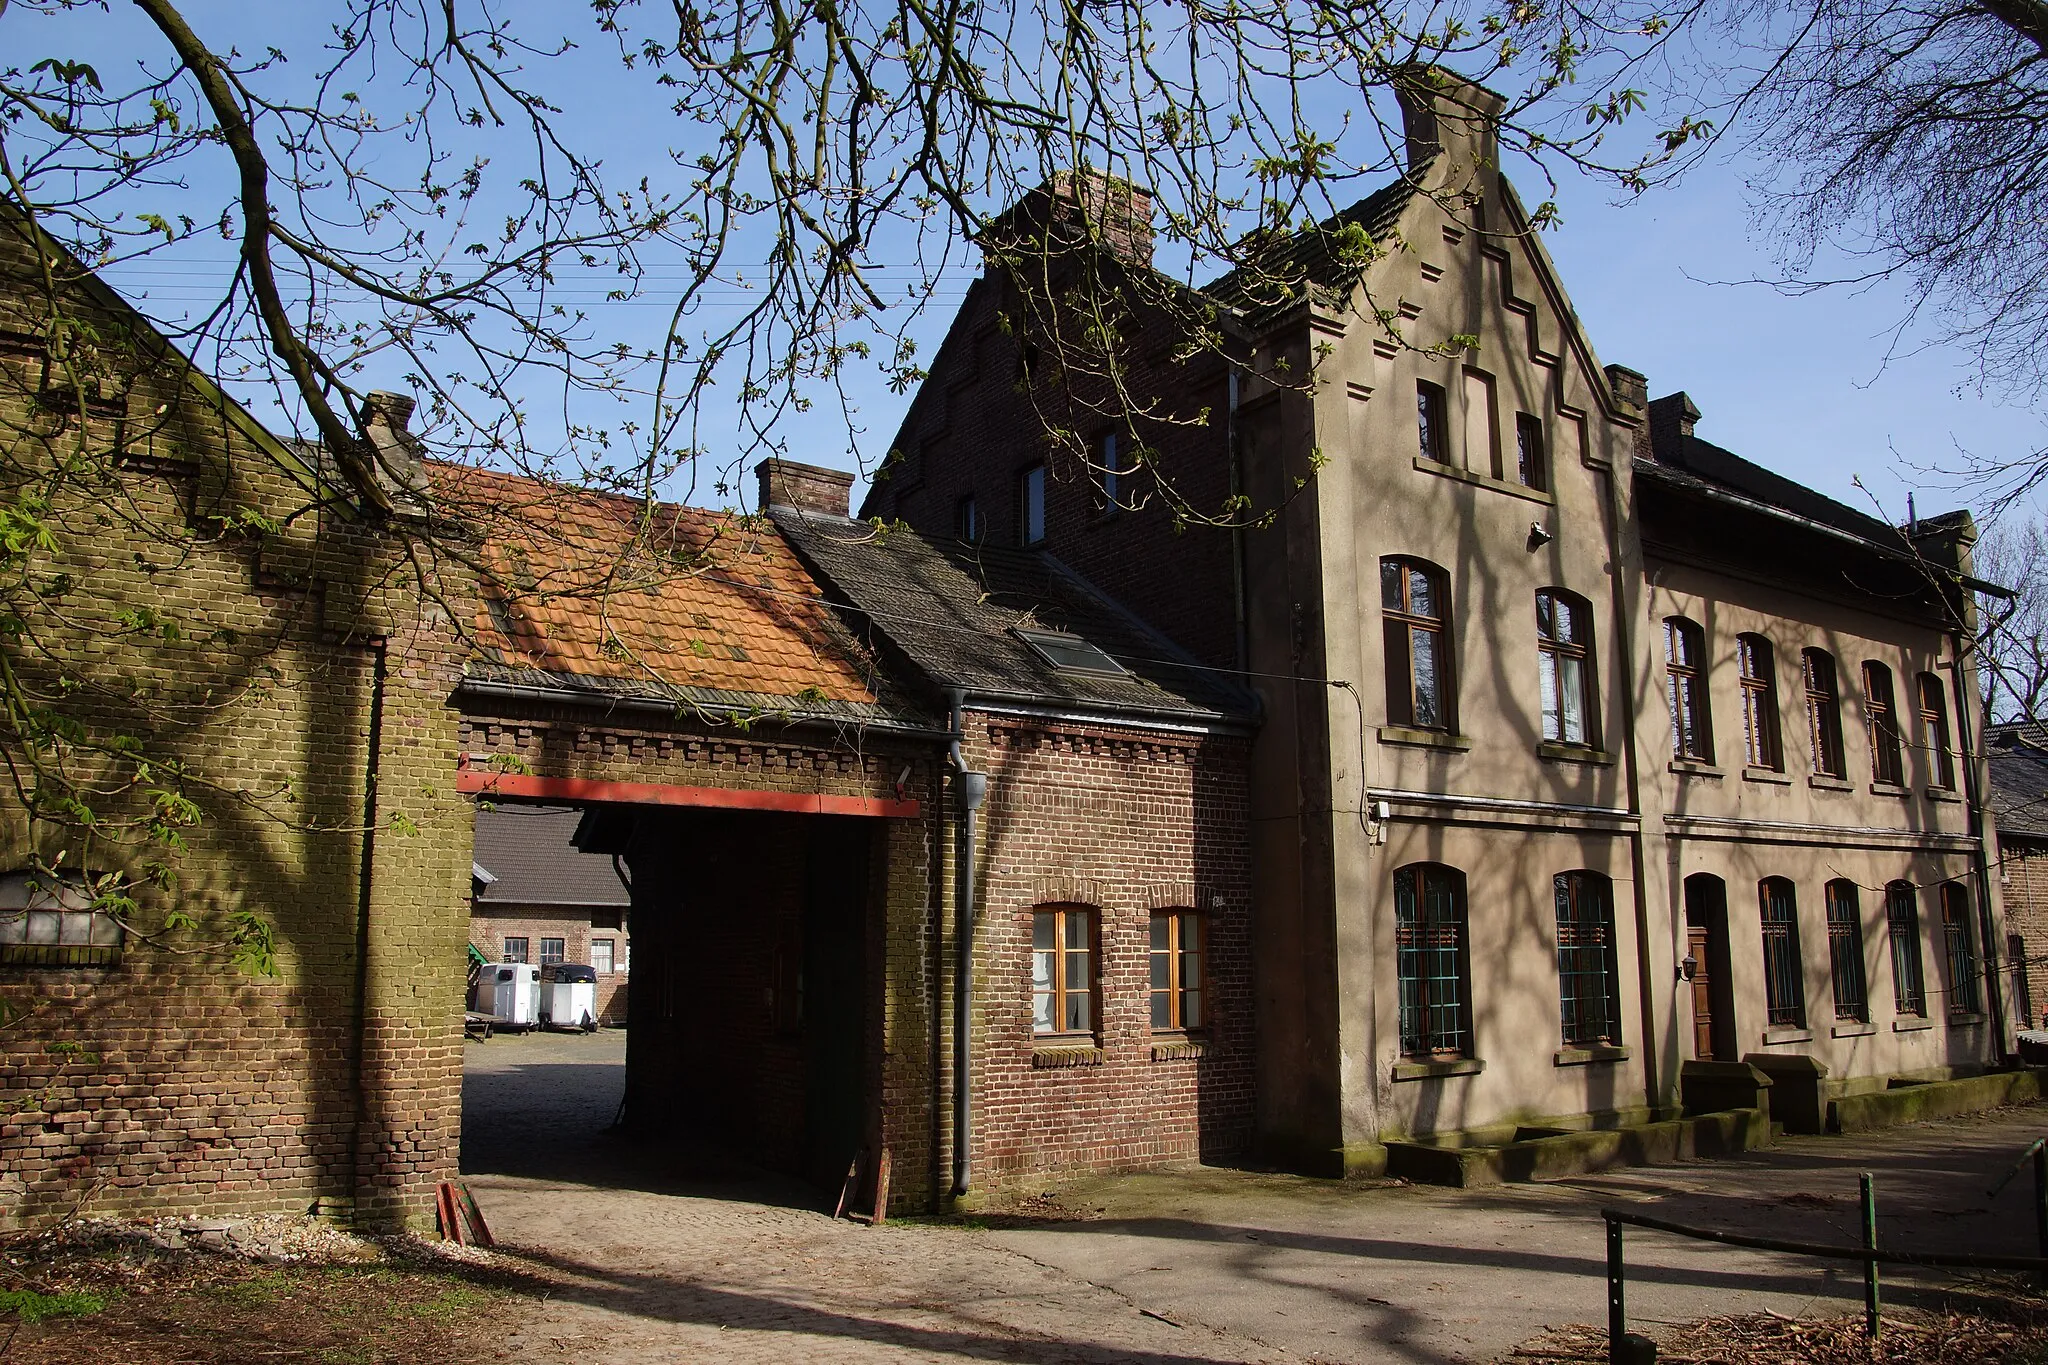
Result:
[[1177, 982], [552, 951], [1588, 979], [1564, 642], [1415, 611], [1685, 662], [1429, 421], [1532, 459], [1031, 506], [1823, 712], [1845, 951], [601, 956], [1902, 930], [52, 921], [1430, 961], [1063, 971], [1881, 715], [1784, 984], [1961, 949], [515, 947], [1756, 668], [1941, 759]]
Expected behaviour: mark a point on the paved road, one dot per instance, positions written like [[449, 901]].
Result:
[[683, 1254]]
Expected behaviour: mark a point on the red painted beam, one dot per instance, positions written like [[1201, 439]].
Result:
[[471, 782]]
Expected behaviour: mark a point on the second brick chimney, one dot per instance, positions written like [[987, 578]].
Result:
[[785, 483]]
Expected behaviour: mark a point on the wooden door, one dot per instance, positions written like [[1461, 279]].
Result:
[[1698, 939]]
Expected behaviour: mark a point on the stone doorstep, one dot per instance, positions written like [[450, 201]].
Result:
[[1580, 1153], [1876, 1109]]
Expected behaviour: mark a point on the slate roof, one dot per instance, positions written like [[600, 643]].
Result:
[[950, 608], [605, 595], [1316, 258], [527, 850], [2019, 778]]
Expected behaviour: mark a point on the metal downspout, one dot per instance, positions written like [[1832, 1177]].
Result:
[[364, 888], [1237, 548], [1987, 932], [969, 790]]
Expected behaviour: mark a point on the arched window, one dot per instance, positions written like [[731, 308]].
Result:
[[1756, 665], [1902, 928], [1685, 669], [1845, 950], [1063, 970], [1784, 987], [1564, 642], [1588, 982], [1880, 708], [1941, 760], [1430, 961], [1415, 610], [51, 921], [1176, 960], [1961, 947], [1823, 712]]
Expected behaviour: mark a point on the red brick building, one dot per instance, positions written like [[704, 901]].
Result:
[[538, 898], [2019, 801]]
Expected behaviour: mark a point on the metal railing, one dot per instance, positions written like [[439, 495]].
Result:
[[1625, 1349]]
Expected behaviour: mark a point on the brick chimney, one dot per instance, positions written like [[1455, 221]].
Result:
[[1076, 208], [387, 421], [1443, 113], [784, 483]]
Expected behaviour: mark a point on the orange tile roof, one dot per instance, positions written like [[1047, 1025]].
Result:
[[606, 587]]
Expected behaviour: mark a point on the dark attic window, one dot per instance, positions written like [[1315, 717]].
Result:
[[1068, 653]]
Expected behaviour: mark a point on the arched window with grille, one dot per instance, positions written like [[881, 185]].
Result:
[[1564, 642], [1430, 961], [1685, 672], [1902, 929], [1845, 951], [1588, 979], [1960, 949], [1941, 759], [1415, 610], [1784, 986], [1756, 666], [1823, 712]]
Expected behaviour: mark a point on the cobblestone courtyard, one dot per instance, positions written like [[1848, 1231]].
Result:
[[656, 1255]]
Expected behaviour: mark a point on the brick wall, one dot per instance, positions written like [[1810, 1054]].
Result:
[[1123, 822], [2024, 868]]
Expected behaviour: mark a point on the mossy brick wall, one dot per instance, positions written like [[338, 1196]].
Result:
[[1124, 822], [172, 1082]]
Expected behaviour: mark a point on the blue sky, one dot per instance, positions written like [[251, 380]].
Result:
[[1798, 384]]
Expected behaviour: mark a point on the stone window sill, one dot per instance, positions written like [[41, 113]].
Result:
[[1177, 1048], [1691, 767], [1821, 782], [1054, 1056], [1943, 795], [1912, 1024], [1768, 775], [1852, 1028], [1424, 739], [1445, 470], [1775, 1037], [1418, 1069], [1574, 753], [1890, 789], [1965, 1020], [1590, 1056]]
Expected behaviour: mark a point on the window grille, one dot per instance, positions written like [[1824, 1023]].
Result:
[[1934, 725], [1176, 970], [1589, 987], [1887, 763], [1685, 655], [1845, 951], [1062, 970], [1756, 665], [1415, 611], [1784, 990], [1823, 713], [1429, 952], [1902, 927], [1564, 640], [1962, 949]]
